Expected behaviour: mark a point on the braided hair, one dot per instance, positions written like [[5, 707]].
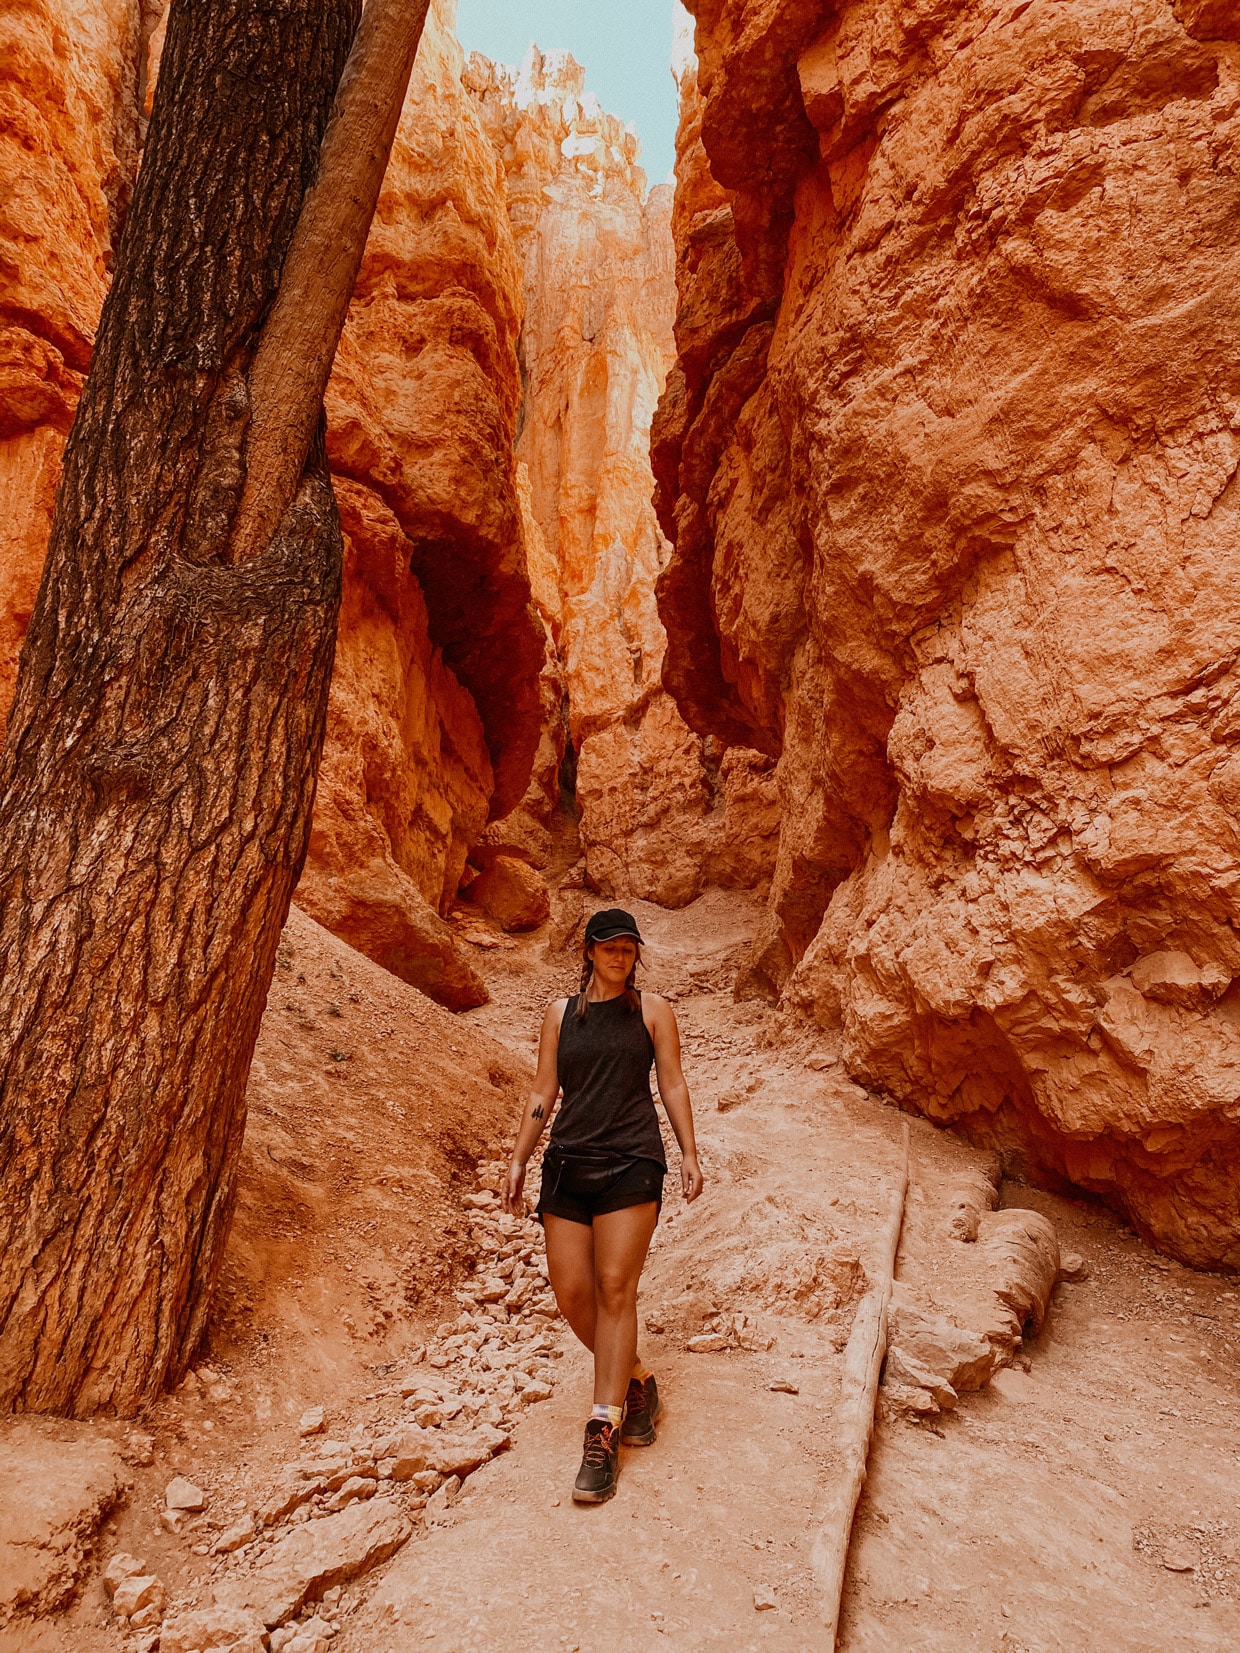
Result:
[[630, 995]]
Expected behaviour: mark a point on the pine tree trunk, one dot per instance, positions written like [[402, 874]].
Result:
[[158, 775]]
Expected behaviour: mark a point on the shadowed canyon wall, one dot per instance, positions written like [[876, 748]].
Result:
[[435, 712], [949, 459], [662, 811]]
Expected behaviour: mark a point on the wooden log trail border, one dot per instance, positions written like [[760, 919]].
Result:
[[863, 1363]]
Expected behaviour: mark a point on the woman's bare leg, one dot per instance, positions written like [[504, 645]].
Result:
[[570, 1268], [621, 1241]]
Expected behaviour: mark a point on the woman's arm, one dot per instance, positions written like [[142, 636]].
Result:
[[661, 1021], [543, 1093]]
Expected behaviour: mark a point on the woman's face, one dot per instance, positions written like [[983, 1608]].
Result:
[[613, 960]]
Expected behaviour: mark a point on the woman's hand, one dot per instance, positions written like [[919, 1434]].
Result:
[[690, 1177], [514, 1184], [661, 1025]]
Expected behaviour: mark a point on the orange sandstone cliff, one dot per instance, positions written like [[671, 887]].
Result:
[[948, 458], [69, 100], [663, 812], [435, 713]]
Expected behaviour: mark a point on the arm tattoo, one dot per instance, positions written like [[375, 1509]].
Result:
[[538, 1112]]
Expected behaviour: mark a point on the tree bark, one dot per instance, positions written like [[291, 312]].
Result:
[[158, 777], [294, 359]]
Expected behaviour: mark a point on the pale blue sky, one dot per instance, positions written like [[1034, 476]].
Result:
[[625, 46]]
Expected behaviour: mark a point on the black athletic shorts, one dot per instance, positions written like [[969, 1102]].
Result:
[[580, 1191]]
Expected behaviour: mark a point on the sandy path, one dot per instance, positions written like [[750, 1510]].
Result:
[[670, 1556], [1038, 1516], [723, 1507], [1043, 1516], [1089, 1499]]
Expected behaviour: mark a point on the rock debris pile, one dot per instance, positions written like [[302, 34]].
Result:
[[355, 1493]]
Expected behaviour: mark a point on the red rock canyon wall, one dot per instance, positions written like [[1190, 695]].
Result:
[[69, 103], [662, 812], [949, 457], [435, 712]]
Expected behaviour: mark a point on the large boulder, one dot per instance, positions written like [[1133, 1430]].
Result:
[[58, 1482], [213, 1630], [313, 1558], [415, 1450], [513, 893], [378, 910]]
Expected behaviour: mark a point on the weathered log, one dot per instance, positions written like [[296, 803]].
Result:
[[976, 1192], [863, 1363]]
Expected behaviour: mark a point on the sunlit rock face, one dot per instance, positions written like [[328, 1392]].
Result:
[[949, 460], [68, 143], [435, 714], [660, 814]]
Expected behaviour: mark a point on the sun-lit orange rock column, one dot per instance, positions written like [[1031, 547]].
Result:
[[660, 816], [949, 458]]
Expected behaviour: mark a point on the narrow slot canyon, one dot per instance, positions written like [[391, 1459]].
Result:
[[828, 555]]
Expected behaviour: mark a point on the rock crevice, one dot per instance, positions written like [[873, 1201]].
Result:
[[660, 815]]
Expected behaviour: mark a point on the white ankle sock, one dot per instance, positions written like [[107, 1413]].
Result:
[[608, 1414]]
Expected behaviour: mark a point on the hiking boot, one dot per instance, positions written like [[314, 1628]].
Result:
[[596, 1479], [642, 1410]]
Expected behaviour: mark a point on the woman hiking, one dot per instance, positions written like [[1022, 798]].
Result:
[[602, 1178]]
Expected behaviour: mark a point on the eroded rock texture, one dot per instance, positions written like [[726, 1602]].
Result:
[[661, 815], [435, 714], [948, 458], [435, 710], [68, 137]]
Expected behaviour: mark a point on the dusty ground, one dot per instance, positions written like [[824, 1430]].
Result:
[[1052, 1507], [369, 1108], [1039, 1515], [1090, 1502]]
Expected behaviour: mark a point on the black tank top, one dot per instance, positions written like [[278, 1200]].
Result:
[[604, 1072]]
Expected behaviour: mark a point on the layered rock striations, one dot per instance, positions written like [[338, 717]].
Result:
[[435, 714], [435, 711], [660, 814], [949, 460], [69, 102]]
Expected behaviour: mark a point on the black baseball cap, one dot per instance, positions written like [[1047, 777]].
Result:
[[610, 923]]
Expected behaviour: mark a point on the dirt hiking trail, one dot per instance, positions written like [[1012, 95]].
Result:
[[377, 1453], [1045, 1512]]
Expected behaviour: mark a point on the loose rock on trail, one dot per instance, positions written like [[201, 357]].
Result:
[[1003, 1519], [1068, 1487]]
